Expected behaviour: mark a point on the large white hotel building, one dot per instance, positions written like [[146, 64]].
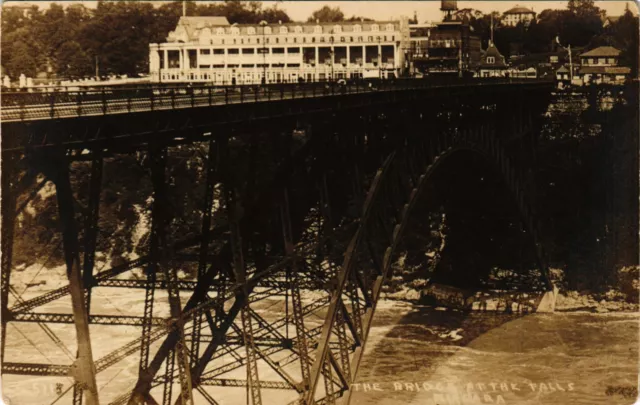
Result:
[[209, 49]]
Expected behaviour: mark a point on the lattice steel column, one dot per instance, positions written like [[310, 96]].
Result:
[[84, 369], [90, 239], [254, 396], [296, 301], [8, 217], [158, 157], [204, 244], [91, 226]]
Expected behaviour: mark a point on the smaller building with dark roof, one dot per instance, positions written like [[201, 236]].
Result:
[[492, 63]]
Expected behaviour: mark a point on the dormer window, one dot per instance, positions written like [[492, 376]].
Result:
[[491, 60], [283, 30], [337, 28], [220, 31], [389, 27], [267, 30], [235, 31], [375, 27], [317, 29], [298, 29], [251, 31], [357, 28]]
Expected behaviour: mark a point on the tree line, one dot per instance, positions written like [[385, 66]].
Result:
[[114, 37]]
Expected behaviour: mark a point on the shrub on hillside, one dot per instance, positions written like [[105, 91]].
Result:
[[628, 282]]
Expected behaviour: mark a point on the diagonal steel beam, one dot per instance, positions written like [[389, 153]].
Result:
[[348, 263], [85, 372]]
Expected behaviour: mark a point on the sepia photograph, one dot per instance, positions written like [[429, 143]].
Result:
[[319, 202]]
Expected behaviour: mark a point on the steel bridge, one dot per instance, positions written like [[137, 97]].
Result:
[[304, 195]]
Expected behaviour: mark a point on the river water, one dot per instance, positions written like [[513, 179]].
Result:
[[421, 355]]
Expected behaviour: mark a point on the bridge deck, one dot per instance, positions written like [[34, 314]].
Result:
[[96, 101]]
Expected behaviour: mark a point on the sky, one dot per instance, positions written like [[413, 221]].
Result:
[[387, 10]]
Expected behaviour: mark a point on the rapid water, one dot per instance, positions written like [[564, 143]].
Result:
[[419, 355]]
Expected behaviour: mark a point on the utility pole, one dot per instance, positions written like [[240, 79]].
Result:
[[97, 70], [568, 49], [184, 8], [491, 43]]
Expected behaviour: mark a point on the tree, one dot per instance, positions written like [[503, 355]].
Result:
[[23, 60], [354, 18], [71, 61], [274, 14], [624, 33], [327, 14]]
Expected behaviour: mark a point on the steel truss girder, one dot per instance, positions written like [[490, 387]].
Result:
[[227, 382], [93, 319]]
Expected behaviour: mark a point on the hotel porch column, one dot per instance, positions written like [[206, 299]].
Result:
[[225, 71], [301, 68], [315, 75], [348, 61], [364, 58]]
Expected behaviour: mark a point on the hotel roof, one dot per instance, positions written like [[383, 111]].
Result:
[[519, 10]]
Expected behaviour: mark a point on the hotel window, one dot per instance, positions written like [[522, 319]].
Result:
[[267, 30], [313, 39], [251, 31], [235, 31], [293, 50], [385, 37], [298, 29], [233, 51], [370, 39], [317, 29], [321, 39], [359, 39], [341, 39], [304, 40], [277, 40], [375, 27], [218, 51], [248, 51], [389, 27], [283, 30], [337, 29], [205, 51], [220, 31], [491, 59], [357, 28], [266, 40]]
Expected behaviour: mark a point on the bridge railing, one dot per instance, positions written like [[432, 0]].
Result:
[[51, 103]]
